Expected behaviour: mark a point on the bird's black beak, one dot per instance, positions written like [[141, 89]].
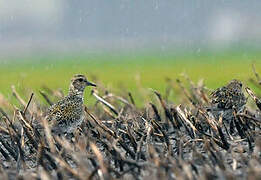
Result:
[[90, 84]]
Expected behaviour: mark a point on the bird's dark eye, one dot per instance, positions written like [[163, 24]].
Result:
[[81, 80]]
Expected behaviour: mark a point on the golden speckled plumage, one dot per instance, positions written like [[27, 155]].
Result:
[[230, 96], [67, 114]]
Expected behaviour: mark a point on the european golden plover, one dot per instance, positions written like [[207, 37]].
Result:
[[227, 99], [67, 114], [230, 96]]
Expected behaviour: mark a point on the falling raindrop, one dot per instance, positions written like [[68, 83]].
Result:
[[156, 5]]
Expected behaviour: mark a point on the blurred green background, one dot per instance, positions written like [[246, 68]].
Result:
[[127, 72]]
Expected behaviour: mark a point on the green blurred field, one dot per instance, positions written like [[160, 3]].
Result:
[[121, 71]]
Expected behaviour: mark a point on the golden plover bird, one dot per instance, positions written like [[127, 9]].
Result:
[[230, 96], [226, 99], [67, 114]]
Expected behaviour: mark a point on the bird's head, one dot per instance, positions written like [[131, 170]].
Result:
[[235, 85], [78, 83]]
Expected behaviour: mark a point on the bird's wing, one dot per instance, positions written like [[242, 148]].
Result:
[[57, 111]]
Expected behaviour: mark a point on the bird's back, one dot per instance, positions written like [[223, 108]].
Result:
[[228, 98]]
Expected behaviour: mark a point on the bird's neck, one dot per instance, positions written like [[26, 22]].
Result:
[[75, 92]]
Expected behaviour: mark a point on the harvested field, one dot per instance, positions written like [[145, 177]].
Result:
[[118, 140]]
